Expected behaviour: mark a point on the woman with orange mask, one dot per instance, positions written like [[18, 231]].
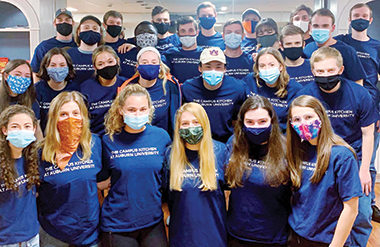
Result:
[[70, 160]]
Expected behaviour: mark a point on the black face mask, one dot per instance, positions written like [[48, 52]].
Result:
[[162, 27], [293, 53], [64, 29], [327, 82], [114, 30], [108, 72]]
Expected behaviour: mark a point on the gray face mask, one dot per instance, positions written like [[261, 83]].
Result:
[[191, 135], [267, 40], [146, 39]]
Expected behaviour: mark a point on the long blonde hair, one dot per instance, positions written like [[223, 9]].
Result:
[[114, 121], [282, 80], [296, 149], [178, 158], [52, 141]]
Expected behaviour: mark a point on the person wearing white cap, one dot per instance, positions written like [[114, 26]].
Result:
[[250, 18], [163, 88], [220, 95], [63, 22]]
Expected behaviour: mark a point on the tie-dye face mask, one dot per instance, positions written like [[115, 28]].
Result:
[[308, 131]]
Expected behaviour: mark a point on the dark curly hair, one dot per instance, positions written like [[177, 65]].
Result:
[[8, 172]]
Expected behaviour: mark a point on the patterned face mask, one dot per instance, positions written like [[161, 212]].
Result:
[[146, 39], [18, 84], [308, 131]]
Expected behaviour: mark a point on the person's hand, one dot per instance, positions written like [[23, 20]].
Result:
[[365, 179], [377, 125], [125, 48]]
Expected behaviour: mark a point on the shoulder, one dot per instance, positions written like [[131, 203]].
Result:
[[343, 48], [341, 153], [88, 84], [249, 78], [293, 85], [95, 140], [40, 85], [341, 37], [191, 82], [154, 130], [171, 51]]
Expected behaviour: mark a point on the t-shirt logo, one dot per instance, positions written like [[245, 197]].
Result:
[[214, 53]]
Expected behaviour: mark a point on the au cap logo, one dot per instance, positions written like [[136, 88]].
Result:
[[63, 10], [214, 52]]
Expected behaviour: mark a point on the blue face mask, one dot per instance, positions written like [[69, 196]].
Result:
[[207, 22], [257, 135], [233, 40], [58, 74], [21, 138], [136, 122], [149, 71], [270, 76], [18, 84], [212, 77], [320, 35], [90, 37], [360, 24]]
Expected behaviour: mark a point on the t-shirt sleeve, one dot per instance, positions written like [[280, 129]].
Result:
[[347, 175], [36, 109], [105, 173], [37, 58], [367, 113], [353, 66]]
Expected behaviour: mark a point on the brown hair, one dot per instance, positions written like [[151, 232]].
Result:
[[159, 10], [185, 20], [276, 172], [112, 13], [296, 149], [233, 21], [299, 8], [8, 171], [205, 5], [47, 59], [324, 12], [97, 21], [282, 80], [360, 5], [290, 30], [27, 98]]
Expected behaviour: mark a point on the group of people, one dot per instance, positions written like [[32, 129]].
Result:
[[281, 123]]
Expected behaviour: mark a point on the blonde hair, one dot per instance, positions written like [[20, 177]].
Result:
[[164, 71], [114, 121], [282, 80], [296, 149], [178, 158], [104, 48], [324, 53], [52, 141]]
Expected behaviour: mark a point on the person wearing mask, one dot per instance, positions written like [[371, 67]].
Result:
[[239, 63], [89, 35], [271, 80], [63, 22], [56, 73], [17, 87], [250, 18], [267, 34], [368, 50], [196, 179], [219, 94], [133, 159], [183, 61], [161, 21], [352, 115], [258, 176], [324, 176], [208, 36], [291, 46], [322, 24], [19, 177], [70, 159], [300, 17], [113, 24], [101, 90], [164, 90]]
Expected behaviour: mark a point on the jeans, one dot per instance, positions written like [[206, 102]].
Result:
[[48, 241], [372, 168], [34, 242]]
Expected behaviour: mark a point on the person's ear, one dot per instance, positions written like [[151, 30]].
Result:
[[341, 70], [200, 69], [104, 26], [280, 67], [370, 20], [4, 130], [333, 28], [281, 47]]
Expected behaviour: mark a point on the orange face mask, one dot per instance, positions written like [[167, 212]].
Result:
[[70, 131], [250, 26]]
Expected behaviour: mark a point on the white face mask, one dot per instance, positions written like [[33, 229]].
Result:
[[304, 25], [188, 41]]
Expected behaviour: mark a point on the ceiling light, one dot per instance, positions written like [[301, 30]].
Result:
[[224, 8], [71, 9]]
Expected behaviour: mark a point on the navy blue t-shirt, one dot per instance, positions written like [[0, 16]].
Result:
[[131, 40], [115, 45], [369, 55], [302, 73], [183, 64], [18, 209], [249, 45], [215, 40], [135, 163], [44, 47], [353, 69], [35, 106], [258, 212], [194, 212], [45, 94], [99, 100], [221, 105], [349, 109], [309, 40], [280, 105], [68, 203], [316, 207], [167, 43], [82, 62], [239, 67], [128, 62]]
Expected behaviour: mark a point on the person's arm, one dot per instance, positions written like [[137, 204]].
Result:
[[39, 135], [345, 222], [367, 149], [106, 184], [360, 82], [124, 48]]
